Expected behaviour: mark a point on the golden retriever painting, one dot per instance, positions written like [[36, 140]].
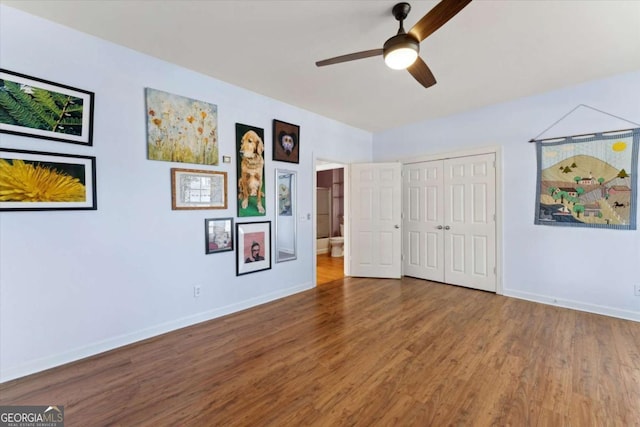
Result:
[[251, 194]]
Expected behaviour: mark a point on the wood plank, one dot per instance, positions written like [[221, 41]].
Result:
[[362, 352], [329, 268]]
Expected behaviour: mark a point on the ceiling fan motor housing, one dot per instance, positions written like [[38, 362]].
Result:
[[400, 42], [402, 45]]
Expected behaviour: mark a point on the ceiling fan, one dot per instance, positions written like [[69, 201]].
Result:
[[401, 51]]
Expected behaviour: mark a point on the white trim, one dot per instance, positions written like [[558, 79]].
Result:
[[96, 348], [452, 154], [575, 305]]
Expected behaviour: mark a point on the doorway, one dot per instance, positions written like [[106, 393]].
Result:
[[330, 219]]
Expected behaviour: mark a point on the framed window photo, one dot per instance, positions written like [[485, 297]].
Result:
[[39, 181], [253, 247], [218, 235], [43, 109], [198, 189], [286, 142]]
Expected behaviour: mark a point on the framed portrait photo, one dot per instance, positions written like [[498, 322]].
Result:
[[286, 142], [218, 235], [253, 247], [198, 189], [43, 109], [39, 181]]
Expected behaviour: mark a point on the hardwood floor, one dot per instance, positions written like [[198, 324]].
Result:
[[329, 268], [362, 352]]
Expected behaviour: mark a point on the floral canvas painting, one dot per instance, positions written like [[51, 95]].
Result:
[[588, 181], [181, 129]]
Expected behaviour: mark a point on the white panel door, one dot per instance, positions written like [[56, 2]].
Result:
[[423, 219], [375, 220], [449, 221], [469, 222]]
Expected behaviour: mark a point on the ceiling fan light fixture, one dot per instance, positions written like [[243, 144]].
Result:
[[400, 51]]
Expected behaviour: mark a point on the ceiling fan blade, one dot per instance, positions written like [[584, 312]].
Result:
[[437, 17], [349, 57], [422, 73]]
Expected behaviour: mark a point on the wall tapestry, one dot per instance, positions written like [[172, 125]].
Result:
[[181, 129], [589, 181]]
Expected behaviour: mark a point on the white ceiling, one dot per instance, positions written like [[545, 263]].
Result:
[[493, 51]]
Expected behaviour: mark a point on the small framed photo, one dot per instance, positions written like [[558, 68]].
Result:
[[198, 189], [43, 109], [253, 247], [39, 181], [218, 235], [286, 142]]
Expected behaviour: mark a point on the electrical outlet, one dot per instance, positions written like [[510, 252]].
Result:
[[637, 290], [196, 291]]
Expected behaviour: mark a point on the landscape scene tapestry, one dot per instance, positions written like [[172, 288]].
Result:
[[588, 182]]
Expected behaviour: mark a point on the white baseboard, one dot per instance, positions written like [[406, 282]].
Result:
[[576, 305], [38, 365]]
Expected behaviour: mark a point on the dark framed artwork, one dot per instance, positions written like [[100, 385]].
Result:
[[250, 170], [38, 181], [286, 142], [253, 247], [218, 235], [198, 189], [42, 109], [181, 129]]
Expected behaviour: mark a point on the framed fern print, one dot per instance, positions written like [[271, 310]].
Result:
[[42, 109]]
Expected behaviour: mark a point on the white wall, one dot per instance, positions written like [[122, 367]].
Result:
[[76, 283], [589, 269]]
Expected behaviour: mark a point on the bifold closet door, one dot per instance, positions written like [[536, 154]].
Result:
[[449, 221], [423, 219]]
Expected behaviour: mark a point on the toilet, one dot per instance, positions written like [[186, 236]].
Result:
[[337, 244]]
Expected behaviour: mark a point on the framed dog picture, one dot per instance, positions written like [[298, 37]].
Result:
[[218, 235], [286, 142], [253, 251], [250, 169]]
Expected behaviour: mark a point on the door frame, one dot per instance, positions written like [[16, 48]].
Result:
[[346, 216], [497, 151]]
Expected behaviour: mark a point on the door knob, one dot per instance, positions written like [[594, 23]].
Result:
[[396, 226], [439, 227], [446, 227]]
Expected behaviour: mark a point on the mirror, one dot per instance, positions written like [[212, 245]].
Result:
[[286, 215]]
